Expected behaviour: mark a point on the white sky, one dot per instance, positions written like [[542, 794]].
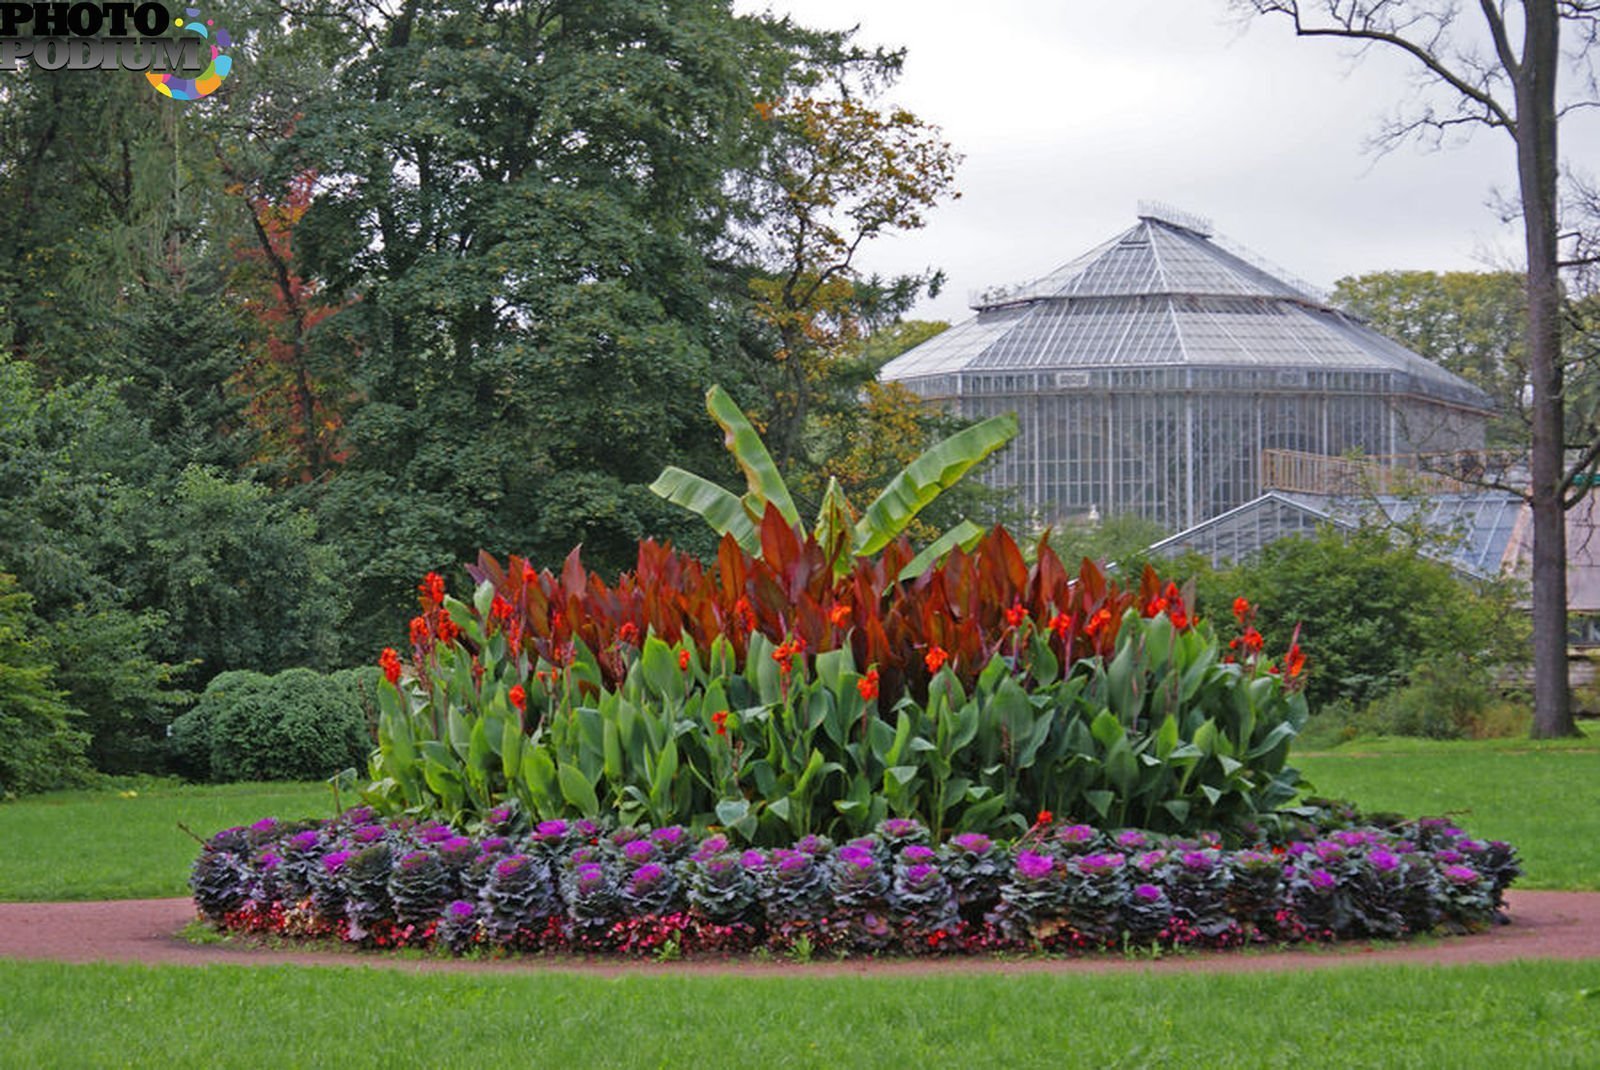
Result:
[[1070, 112]]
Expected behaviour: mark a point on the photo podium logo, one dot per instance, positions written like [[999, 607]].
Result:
[[119, 37]]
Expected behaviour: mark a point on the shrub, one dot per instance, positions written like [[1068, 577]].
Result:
[[295, 725], [567, 886], [767, 696], [1372, 611], [40, 747]]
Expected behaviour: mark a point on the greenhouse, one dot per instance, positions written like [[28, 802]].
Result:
[[1152, 373]]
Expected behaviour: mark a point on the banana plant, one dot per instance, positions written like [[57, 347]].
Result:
[[837, 529]]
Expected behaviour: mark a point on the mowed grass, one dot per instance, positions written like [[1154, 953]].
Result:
[[1542, 797], [127, 845], [1521, 1014]]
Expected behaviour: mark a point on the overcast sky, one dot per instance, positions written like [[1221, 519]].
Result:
[[1070, 112]]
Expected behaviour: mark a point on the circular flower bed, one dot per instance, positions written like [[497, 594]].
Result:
[[560, 885]]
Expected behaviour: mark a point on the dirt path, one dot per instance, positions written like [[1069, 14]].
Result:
[[1545, 925]]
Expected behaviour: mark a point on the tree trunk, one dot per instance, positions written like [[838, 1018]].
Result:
[[1536, 172]]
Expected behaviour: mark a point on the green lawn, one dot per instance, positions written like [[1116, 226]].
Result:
[[1524, 1015], [108, 845], [1544, 798]]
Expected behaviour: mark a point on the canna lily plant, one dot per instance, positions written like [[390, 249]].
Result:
[[842, 534]]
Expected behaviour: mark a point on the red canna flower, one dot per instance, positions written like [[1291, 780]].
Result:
[[500, 609], [1294, 660], [1241, 608], [529, 577], [1016, 615], [746, 615], [868, 685], [1180, 619], [720, 721], [935, 658], [1252, 640], [447, 629], [432, 587], [683, 661], [1060, 624], [839, 614], [1044, 818], [519, 697], [419, 631], [1155, 606], [629, 633], [1098, 622], [390, 663]]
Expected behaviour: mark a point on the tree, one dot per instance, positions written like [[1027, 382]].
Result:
[[1472, 323], [1368, 611], [835, 174], [39, 746], [1502, 73]]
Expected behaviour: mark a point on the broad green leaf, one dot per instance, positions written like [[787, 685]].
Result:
[[900, 775], [661, 670], [1121, 766], [577, 790], [1101, 800], [834, 527], [921, 481], [715, 505], [1106, 729], [965, 535], [1167, 738], [741, 440]]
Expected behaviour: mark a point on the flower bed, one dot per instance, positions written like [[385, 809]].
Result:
[[562, 885]]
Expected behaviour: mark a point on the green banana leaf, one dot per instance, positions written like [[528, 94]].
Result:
[[716, 506], [965, 535], [925, 478], [741, 440]]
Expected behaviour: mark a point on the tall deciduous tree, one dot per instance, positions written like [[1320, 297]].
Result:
[[1499, 70], [835, 174]]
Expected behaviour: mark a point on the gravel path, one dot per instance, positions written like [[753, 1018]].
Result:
[[1544, 925]]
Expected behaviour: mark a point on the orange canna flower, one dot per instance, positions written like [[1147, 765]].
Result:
[[868, 685], [935, 658], [390, 663]]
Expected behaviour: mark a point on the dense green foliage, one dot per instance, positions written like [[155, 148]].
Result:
[[295, 725], [454, 283], [1523, 1014], [39, 745], [1370, 613]]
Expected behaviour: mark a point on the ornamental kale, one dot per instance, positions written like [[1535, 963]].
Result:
[[721, 887], [518, 895], [419, 887]]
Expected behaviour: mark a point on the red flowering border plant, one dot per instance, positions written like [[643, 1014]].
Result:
[[773, 697]]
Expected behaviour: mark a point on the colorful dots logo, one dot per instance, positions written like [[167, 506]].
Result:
[[210, 79]]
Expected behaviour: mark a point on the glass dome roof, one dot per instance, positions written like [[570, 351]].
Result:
[[1166, 294]]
